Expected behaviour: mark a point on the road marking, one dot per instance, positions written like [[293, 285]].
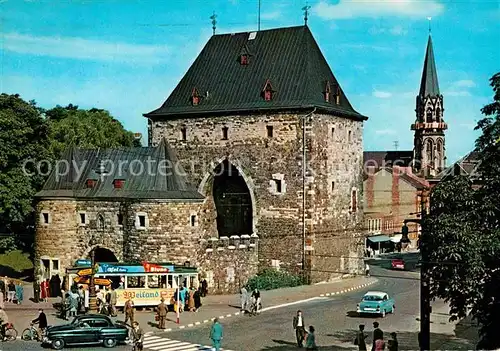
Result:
[[164, 344]]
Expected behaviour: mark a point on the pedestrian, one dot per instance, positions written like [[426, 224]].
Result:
[[81, 297], [44, 290], [256, 300], [298, 325], [19, 293], [73, 304], [161, 313], [243, 298], [113, 300], [63, 305], [311, 339], [12, 291], [191, 304], [360, 338], [86, 299], [197, 300], [137, 336], [2, 290], [129, 311], [392, 343], [2, 304], [216, 334], [378, 334], [182, 295], [204, 288], [379, 345], [42, 322], [367, 270]]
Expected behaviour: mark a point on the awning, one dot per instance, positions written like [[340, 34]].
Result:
[[378, 238], [396, 238]]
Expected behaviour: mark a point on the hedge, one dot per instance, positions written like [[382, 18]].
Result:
[[273, 279]]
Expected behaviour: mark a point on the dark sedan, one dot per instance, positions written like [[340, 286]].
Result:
[[86, 330]]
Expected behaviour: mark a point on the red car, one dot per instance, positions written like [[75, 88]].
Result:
[[398, 263]]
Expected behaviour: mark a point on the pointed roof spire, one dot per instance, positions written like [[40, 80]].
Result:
[[429, 83]]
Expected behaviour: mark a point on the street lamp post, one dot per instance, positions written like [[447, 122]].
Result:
[[92, 294]]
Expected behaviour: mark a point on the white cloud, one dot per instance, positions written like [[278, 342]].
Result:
[[365, 47], [83, 49], [385, 132], [465, 83], [271, 15], [398, 30], [346, 9], [381, 94]]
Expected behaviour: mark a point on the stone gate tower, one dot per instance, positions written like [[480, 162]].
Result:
[[429, 141]]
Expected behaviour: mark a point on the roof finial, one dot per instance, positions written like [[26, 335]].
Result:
[[258, 24], [214, 22], [429, 19], [306, 13]]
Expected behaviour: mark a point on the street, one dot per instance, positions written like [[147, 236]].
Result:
[[334, 318]]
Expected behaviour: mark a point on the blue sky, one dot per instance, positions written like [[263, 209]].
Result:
[[126, 56]]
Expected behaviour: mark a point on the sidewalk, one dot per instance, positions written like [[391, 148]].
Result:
[[222, 306]]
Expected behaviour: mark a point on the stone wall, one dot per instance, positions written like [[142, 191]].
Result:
[[263, 159]]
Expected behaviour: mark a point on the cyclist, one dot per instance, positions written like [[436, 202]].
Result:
[[42, 322], [137, 336], [4, 320]]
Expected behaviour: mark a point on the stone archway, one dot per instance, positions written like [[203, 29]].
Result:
[[233, 200], [104, 255]]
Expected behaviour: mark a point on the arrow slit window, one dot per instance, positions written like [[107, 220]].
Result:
[[83, 218]]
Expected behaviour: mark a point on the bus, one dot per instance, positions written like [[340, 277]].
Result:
[[144, 283]]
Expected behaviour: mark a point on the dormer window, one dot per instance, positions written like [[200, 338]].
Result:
[[91, 183], [268, 91], [244, 56], [118, 183], [337, 95], [327, 92], [195, 97]]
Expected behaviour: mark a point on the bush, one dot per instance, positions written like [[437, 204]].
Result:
[[16, 260], [7, 244], [273, 279]]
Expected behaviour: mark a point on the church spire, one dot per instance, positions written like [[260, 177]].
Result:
[[429, 83]]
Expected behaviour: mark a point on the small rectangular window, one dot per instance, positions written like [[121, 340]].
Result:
[[278, 185], [354, 204], [224, 133], [45, 218], [119, 219], [83, 218], [349, 136], [333, 132], [142, 221], [193, 220], [333, 186], [269, 131], [183, 133], [55, 265]]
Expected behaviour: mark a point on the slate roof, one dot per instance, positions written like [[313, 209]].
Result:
[[429, 82], [289, 57], [160, 180], [381, 159], [466, 166]]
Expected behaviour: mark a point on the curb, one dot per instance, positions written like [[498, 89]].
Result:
[[191, 325]]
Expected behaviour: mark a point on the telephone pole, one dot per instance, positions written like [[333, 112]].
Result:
[[425, 302]]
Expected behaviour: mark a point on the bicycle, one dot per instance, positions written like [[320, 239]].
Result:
[[30, 333], [10, 333]]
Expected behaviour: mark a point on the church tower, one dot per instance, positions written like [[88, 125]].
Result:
[[429, 140]]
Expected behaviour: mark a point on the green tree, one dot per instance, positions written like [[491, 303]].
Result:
[[23, 137], [464, 234], [86, 129]]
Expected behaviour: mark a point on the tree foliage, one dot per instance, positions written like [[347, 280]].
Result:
[[464, 233], [29, 133]]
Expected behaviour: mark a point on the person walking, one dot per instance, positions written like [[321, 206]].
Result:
[[113, 300], [19, 293], [360, 341], [86, 299], [129, 311], [12, 291], [161, 312], [311, 339], [243, 298], [216, 334], [191, 304], [367, 270], [299, 326], [137, 336], [197, 300], [204, 288], [392, 343], [378, 334]]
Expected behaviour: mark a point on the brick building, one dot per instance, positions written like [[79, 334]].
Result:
[[274, 148], [395, 181]]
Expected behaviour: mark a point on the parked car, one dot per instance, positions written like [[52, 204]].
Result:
[[376, 302], [86, 330], [398, 263]]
